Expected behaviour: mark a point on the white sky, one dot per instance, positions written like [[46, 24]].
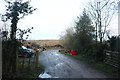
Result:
[[53, 16]]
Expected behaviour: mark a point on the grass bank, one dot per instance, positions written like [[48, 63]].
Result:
[[98, 65]]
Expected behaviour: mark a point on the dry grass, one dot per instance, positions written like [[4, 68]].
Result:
[[45, 42]]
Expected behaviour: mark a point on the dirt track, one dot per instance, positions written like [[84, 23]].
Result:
[[58, 65]]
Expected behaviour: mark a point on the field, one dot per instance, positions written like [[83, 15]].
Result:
[[45, 42]]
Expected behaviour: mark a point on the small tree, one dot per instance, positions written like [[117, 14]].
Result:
[[81, 36], [84, 31]]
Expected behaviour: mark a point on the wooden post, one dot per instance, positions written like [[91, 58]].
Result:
[[118, 18], [17, 61], [36, 59], [118, 64]]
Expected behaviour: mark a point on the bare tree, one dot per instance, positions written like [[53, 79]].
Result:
[[102, 12]]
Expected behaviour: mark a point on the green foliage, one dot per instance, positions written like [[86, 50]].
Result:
[[83, 38], [84, 31], [80, 37], [18, 9], [84, 25], [114, 42], [15, 11]]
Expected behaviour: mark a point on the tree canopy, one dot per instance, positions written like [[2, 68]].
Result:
[[15, 11]]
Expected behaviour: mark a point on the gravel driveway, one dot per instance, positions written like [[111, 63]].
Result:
[[58, 65]]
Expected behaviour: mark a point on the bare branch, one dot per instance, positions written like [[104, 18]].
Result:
[[105, 4]]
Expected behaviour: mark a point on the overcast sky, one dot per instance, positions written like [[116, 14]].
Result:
[[52, 17]]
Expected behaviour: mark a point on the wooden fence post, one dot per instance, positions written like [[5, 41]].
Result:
[[36, 59], [17, 61], [118, 64]]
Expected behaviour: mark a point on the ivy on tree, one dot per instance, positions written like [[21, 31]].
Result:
[[15, 11]]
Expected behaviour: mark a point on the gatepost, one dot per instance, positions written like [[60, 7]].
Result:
[[118, 36]]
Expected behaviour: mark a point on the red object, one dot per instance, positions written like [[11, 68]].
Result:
[[73, 52], [67, 50]]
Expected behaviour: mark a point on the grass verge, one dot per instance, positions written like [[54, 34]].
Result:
[[98, 65]]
